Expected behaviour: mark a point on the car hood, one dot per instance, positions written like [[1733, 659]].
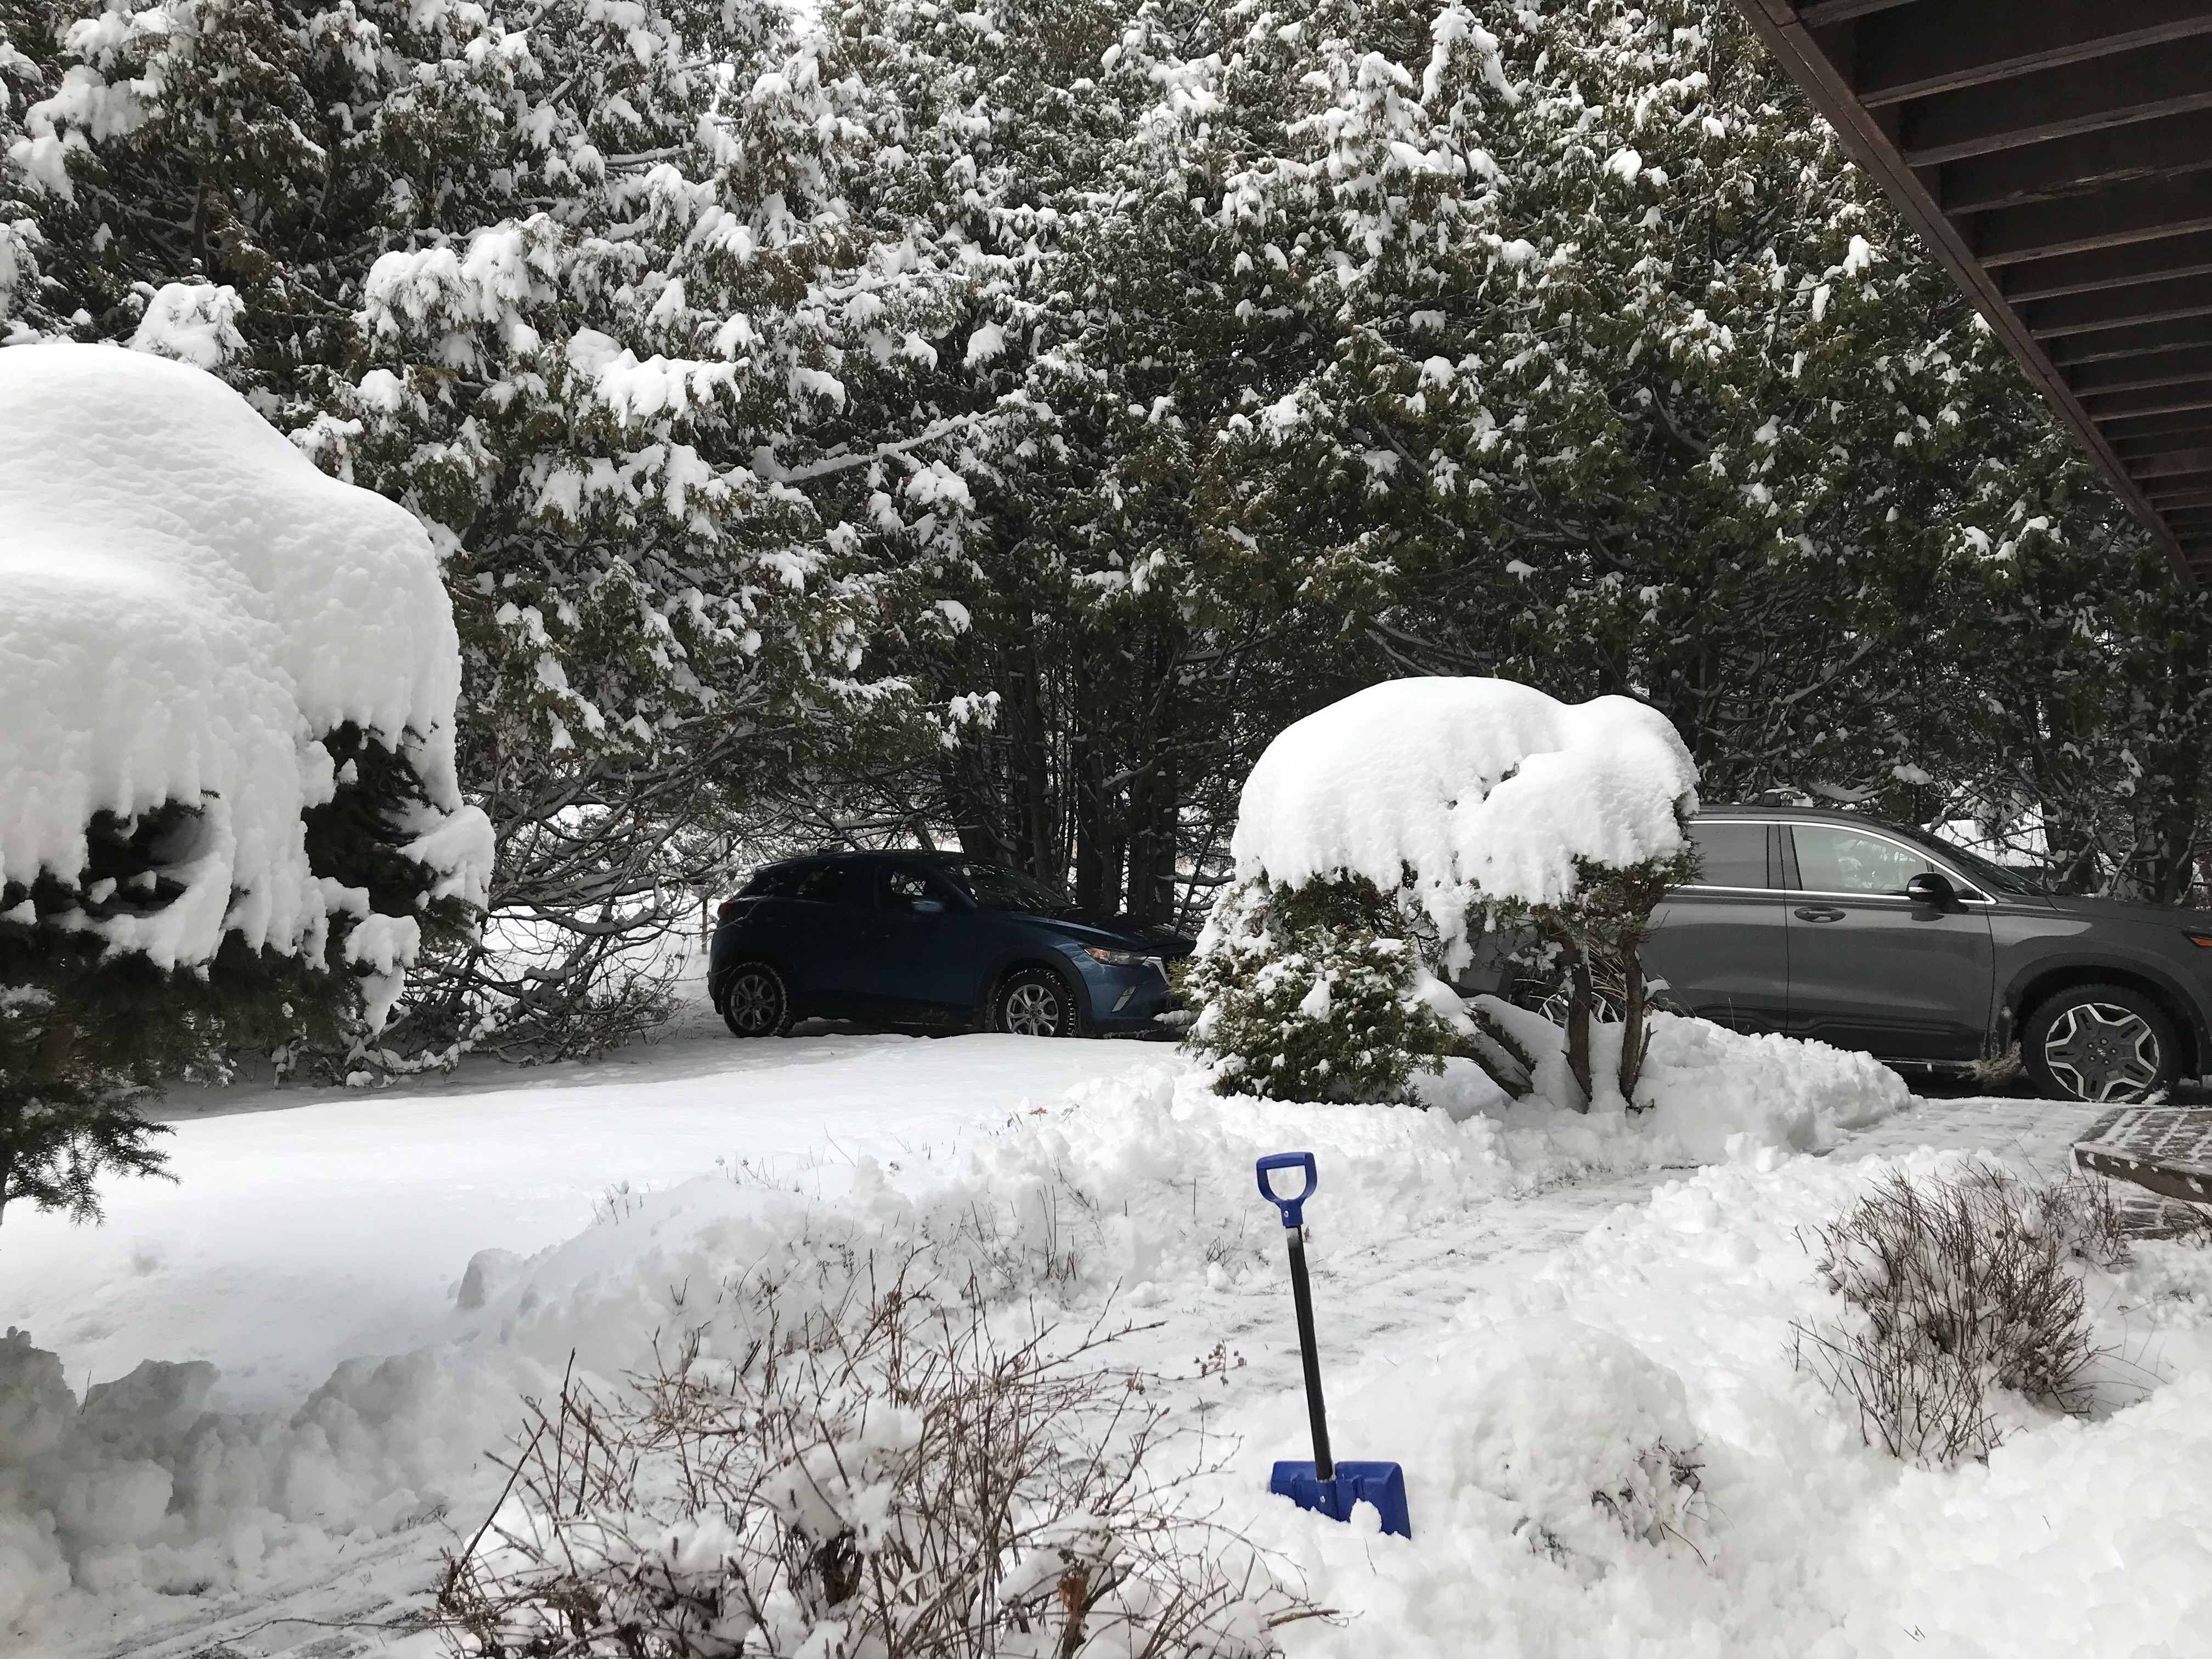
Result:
[[1123, 933], [2112, 909]]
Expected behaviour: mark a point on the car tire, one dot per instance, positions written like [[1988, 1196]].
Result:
[[756, 1002], [2104, 1043], [1035, 1002]]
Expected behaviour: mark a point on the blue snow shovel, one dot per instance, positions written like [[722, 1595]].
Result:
[[1324, 1485]]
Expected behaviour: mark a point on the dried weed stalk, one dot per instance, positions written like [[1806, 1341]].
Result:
[[1961, 1288], [885, 1480]]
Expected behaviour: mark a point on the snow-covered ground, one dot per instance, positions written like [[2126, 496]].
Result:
[[1500, 1292], [310, 1225]]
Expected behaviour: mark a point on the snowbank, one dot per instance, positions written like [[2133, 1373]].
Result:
[[1486, 789], [1731, 1508], [1706, 1093], [187, 607], [1608, 1449]]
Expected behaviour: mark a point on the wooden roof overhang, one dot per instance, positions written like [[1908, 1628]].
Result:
[[2056, 155]]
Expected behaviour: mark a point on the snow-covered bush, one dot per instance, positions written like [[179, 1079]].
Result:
[[231, 813], [1585, 1438], [1963, 1290], [1312, 994], [1378, 839], [881, 1479]]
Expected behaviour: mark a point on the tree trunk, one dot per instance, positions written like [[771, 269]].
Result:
[[1579, 1028], [1635, 1039]]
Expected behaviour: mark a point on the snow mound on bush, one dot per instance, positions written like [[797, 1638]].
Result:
[[1486, 789], [187, 607], [1706, 1092], [1573, 1436]]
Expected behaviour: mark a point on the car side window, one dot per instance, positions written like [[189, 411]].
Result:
[[1730, 855], [903, 890], [1831, 860], [840, 884]]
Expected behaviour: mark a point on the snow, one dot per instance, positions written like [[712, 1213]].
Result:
[[1488, 791], [1706, 1093], [195, 323], [187, 607], [1523, 1305]]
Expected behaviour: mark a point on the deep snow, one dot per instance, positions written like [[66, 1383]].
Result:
[[1512, 1301], [1486, 790], [187, 607]]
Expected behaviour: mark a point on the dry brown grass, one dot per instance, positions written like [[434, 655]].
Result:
[[885, 1479], [1960, 1290]]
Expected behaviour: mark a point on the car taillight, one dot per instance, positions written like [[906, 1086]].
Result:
[[722, 913]]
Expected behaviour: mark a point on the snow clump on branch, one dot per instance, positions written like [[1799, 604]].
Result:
[[1487, 791], [189, 611]]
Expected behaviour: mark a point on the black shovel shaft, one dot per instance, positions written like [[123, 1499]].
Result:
[[1302, 1293]]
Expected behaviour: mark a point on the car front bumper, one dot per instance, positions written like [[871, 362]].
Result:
[[1124, 999]]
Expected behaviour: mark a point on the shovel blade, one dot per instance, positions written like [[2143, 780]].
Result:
[[1382, 1484]]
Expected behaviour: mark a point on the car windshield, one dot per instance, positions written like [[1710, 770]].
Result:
[[997, 888], [1987, 873]]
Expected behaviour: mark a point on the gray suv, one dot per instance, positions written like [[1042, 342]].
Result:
[[1868, 935]]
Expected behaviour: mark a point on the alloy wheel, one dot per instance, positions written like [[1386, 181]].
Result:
[[2102, 1051], [1032, 1011], [753, 1002]]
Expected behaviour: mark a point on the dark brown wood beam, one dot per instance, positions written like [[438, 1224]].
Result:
[[2180, 488], [2143, 211], [2167, 466], [2133, 306], [2108, 268], [1944, 45], [2150, 426], [2143, 340], [2138, 86], [2176, 367], [2132, 450], [1869, 136], [2155, 400], [2073, 167], [1818, 14]]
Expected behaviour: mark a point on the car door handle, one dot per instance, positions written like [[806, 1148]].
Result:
[[1818, 913]]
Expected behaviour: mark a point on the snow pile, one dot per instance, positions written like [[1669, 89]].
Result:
[[1705, 1091], [1731, 1508], [1608, 1449], [1583, 1444], [187, 607], [1135, 1191], [141, 1489], [1487, 790]]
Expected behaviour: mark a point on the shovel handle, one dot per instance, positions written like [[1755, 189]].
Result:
[[1294, 1223], [1293, 1207], [1308, 1353]]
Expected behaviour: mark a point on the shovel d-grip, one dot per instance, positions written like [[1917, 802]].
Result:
[[1324, 1485]]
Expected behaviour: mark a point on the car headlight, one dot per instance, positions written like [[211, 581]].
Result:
[[1120, 958]]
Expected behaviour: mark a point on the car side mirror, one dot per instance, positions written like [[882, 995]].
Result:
[[929, 906], [1929, 888]]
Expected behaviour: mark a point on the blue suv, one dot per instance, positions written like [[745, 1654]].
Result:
[[932, 939]]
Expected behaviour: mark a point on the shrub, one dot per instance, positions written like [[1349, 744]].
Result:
[[1315, 992], [1963, 1289], [884, 1481]]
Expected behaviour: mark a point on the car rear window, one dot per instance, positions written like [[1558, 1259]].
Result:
[[777, 881], [836, 884], [1730, 855]]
